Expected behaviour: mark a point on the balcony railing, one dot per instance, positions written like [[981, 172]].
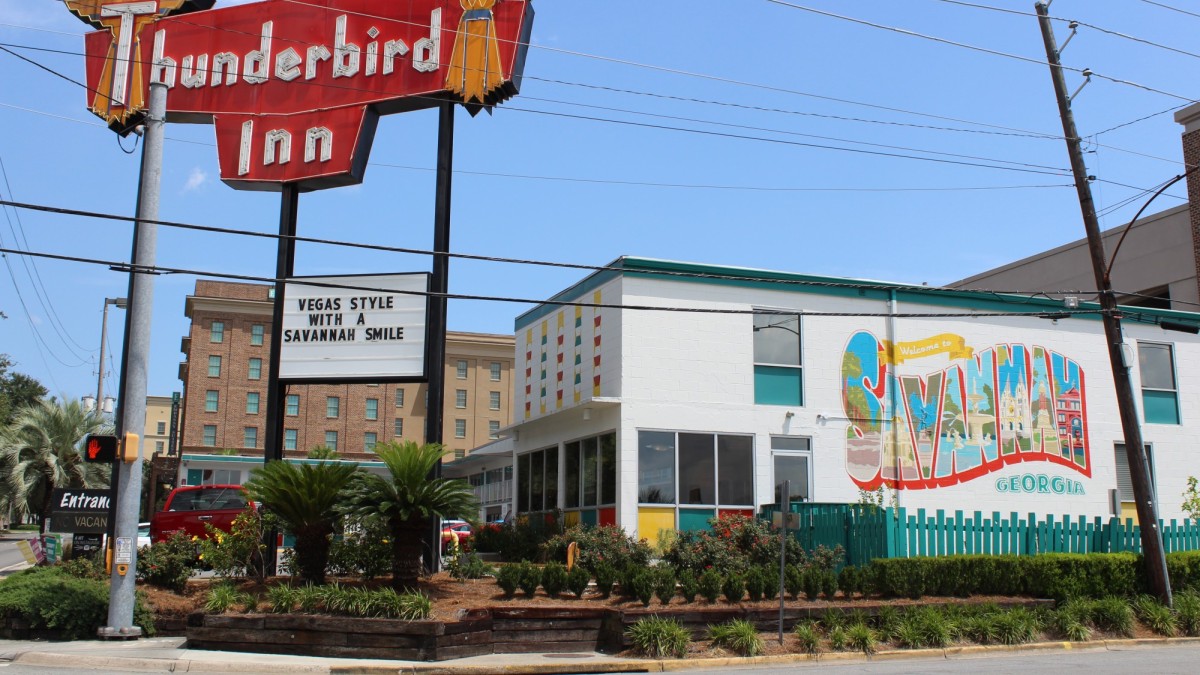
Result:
[[493, 493]]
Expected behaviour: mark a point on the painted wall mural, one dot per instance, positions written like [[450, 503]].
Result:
[[987, 409]]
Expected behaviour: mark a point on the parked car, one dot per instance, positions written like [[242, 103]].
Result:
[[143, 537], [189, 508], [454, 528]]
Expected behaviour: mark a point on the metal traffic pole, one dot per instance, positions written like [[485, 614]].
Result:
[[135, 370]]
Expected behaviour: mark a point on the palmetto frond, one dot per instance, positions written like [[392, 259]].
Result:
[[302, 496], [408, 492]]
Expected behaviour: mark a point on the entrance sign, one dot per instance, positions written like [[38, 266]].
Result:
[[79, 510], [342, 334], [294, 88]]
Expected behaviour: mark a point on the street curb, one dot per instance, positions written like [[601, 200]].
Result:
[[69, 659]]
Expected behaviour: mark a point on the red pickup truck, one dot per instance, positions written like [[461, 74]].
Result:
[[189, 508]]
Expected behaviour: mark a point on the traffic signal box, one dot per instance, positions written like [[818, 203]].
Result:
[[107, 449]]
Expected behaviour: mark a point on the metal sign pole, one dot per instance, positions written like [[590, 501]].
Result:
[[785, 497]]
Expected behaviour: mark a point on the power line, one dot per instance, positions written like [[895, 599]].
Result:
[[985, 50], [857, 285], [1173, 9], [158, 269]]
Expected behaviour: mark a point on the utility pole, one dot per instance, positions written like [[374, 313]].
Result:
[[1143, 493], [135, 371]]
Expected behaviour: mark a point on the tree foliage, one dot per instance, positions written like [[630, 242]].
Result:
[[17, 391]]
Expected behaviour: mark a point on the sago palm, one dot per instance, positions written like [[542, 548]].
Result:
[[40, 451], [306, 500], [407, 498]]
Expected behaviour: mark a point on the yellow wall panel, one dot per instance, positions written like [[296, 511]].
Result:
[[653, 519]]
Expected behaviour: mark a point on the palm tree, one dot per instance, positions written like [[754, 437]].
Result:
[[306, 499], [407, 499], [39, 452]]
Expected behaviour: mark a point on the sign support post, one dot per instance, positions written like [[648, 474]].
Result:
[[135, 366], [435, 341], [285, 263], [785, 505]]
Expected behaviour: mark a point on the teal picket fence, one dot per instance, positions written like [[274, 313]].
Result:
[[867, 532]]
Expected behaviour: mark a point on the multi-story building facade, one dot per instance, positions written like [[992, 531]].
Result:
[[156, 439], [225, 390]]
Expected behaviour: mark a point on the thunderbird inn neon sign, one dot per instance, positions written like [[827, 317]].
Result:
[[294, 88]]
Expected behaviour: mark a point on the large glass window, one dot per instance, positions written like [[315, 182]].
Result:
[[537, 480], [292, 404], [590, 476], [792, 460], [255, 369], [214, 366], [778, 372], [1160, 396], [590, 472], [256, 334], [252, 403], [608, 469], [372, 408], [695, 469], [571, 466], [212, 400], [218, 332]]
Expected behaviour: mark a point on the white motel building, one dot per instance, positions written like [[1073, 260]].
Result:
[[649, 419]]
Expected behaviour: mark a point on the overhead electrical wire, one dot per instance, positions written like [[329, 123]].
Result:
[[1173, 9], [858, 285], [160, 269]]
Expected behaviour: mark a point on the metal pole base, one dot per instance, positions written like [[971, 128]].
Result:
[[110, 633]]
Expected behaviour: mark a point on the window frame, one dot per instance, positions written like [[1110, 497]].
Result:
[[494, 400], [573, 454], [764, 368], [331, 435], [806, 454], [254, 368], [288, 409], [1158, 392], [333, 407], [372, 409], [460, 399], [370, 440], [717, 505], [461, 368], [398, 428], [257, 331], [214, 365], [208, 436], [292, 437], [212, 400], [250, 437], [460, 428], [493, 429], [495, 371], [256, 398], [216, 332]]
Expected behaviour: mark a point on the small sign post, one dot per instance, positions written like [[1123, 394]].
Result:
[[784, 505]]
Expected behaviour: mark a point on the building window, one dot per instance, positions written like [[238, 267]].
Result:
[[461, 370], [162, 428], [1160, 397], [159, 446], [537, 480], [399, 428], [695, 469], [255, 369], [590, 476], [372, 408], [256, 334], [792, 459], [778, 376], [252, 403], [493, 429], [290, 437], [250, 437], [460, 398], [399, 398], [212, 400], [1125, 480], [292, 406], [460, 428], [369, 440], [210, 435], [331, 440], [494, 400], [332, 406], [459, 453], [218, 332], [495, 371], [214, 366]]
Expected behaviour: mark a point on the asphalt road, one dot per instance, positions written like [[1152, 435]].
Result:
[[9, 555], [1181, 659]]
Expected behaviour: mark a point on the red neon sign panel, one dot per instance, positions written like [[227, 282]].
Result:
[[295, 87]]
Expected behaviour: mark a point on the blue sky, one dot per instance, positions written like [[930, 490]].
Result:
[[590, 190]]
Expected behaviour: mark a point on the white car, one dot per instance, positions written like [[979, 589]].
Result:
[[143, 536]]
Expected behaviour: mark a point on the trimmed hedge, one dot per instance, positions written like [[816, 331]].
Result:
[[1049, 575]]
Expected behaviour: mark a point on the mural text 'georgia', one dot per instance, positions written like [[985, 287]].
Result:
[[988, 408]]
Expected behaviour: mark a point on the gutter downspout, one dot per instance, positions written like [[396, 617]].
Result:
[[892, 385]]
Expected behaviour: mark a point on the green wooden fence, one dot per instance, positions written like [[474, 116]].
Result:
[[867, 532]]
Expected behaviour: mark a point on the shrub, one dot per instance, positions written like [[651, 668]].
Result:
[[1016, 626], [1113, 615], [833, 618], [554, 579], [689, 585], [363, 551], [770, 577], [734, 542], [755, 583], [793, 581], [47, 598], [837, 639], [1187, 604], [282, 598], [664, 584], [849, 579], [861, 638], [935, 627], [221, 598], [522, 539], [309, 598], [606, 576], [734, 587], [659, 638], [887, 622], [739, 635], [710, 585], [809, 638], [466, 565], [168, 564], [1155, 615], [577, 580], [641, 586], [628, 574], [405, 606], [812, 583], [607, 543], [508, 578], [89, 568], [239, 552], [829, 584]]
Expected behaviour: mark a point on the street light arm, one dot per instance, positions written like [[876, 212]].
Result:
[[1113, 260]]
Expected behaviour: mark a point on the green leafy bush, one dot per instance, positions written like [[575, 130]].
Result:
[[239, 552], [861, 638], [1113, 615], [530, 578], [364, 550], [47, 598], [221, 598], [554, 578], [689, 585], [1016, 626], [850, 581], [833, 618], [837, 639], [464, 564], [710, 585], [658, 638], [606, 576], [88, 567], [1059, 576], [738, 635], [577, 580], [1155, 615], [1187, 604], [756, 583], [664, 584], [829, 583], [168, 564], [793, 581], [734, 587], [812, 583], [508, 578], [641, 586], [607, 543], [810, 640], [521, 539], [734, 542], [282, 598], [770, 582]]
